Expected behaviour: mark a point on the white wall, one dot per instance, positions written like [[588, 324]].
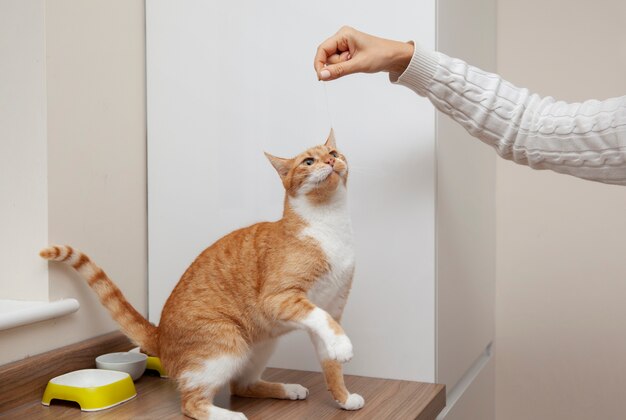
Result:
[[466, 253], [96, 161], [465, 204], [561, 275], [214, 106], [23, 149]]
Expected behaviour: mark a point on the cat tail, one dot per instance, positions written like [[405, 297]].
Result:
[[132, 323]]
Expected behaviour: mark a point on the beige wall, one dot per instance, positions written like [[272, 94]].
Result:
[[95, 74], [561, 271]]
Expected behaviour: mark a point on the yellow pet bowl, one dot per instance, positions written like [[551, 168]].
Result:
[[154, 363], [92, 389]]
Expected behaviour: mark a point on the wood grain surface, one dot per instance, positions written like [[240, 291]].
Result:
[[158, 399], [24, 381]]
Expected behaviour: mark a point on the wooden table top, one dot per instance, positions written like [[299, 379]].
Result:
[[158, 399]]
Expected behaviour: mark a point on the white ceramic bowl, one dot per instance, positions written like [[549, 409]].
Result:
[[132, 363]]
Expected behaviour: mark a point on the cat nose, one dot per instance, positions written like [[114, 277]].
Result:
[[331, 161]]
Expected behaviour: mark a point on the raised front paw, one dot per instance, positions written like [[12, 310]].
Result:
[[295, 392], [353, 402], [340, 349]]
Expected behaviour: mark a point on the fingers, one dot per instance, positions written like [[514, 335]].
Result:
[[325, 73], [329, 48], [339, 58], [338, 48], [341, 68]]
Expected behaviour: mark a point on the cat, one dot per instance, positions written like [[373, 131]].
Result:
[[221, 322]]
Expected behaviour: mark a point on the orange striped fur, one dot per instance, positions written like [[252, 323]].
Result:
[[220, 323], [132, 323]]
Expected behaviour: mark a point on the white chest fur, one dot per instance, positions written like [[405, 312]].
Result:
[[330, 226]]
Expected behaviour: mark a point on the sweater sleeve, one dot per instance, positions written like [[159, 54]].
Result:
[[586, 140]]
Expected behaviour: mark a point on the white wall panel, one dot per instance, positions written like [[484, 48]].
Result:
[[228, 80], [466, 210]]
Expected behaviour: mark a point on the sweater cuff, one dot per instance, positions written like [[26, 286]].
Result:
[[420, 71]]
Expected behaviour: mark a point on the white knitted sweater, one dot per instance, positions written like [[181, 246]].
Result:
[[587, 140]]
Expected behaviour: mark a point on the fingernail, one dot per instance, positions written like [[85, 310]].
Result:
[[325, 74]]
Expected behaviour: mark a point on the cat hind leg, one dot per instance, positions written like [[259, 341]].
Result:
[[249, 383], [199, 385]]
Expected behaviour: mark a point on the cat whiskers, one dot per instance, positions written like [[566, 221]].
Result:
[[358, 169]]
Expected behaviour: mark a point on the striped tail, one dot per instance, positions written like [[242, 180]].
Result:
[[132, 323]]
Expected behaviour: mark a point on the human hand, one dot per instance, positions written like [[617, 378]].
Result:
[[350, 51]]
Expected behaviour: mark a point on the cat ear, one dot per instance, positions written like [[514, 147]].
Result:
[[281, 165], [330, 141]]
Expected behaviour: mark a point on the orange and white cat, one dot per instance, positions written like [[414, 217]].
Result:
[[221, 322]]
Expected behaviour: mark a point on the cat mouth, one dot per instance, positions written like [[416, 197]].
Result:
[[328, 174], [341, 172], [325, 177], [335, 171]]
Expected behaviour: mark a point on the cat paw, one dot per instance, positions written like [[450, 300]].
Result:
[[354, 402], [295, 391], [340, 349], [217, 413], [235, 416]]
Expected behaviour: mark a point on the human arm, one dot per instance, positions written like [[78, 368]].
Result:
[[586, 140]]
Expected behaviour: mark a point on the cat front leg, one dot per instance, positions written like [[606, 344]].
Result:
[[296, 309], [335, 343], [333, 375]]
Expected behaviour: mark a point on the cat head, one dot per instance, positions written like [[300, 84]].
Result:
[[317, 172]]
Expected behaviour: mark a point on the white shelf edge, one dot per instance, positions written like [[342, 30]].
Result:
[[455, 393], [14, 313]]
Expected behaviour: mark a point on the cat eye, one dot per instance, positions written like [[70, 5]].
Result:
[[308, 161], [334, 154]]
